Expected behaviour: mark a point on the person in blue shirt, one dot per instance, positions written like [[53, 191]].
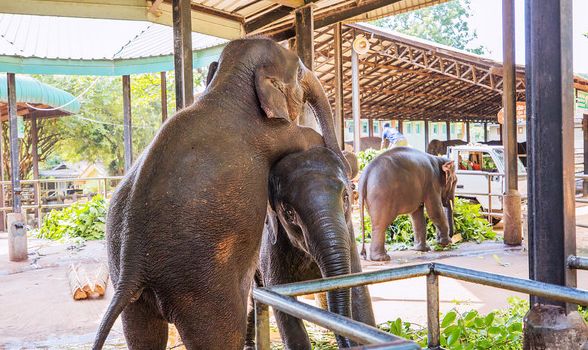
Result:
[[393, 137]]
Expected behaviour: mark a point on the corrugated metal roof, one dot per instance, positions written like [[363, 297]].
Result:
[[88, 39], [30, 90]]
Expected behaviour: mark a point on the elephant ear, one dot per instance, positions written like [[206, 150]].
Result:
[[211, 71], [353, 163], [449, 169], [271, 92], [271, 222]]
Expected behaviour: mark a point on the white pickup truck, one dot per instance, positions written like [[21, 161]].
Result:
[[480, 171]]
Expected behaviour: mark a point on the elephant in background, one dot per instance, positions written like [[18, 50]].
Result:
[[184, 226], [521, 149], [309, 235], [438, 147], [404, 180]]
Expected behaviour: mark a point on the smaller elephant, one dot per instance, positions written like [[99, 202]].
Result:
[[438, 147], [406, 181], [309, 235]]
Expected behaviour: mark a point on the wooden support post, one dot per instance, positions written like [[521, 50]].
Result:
[[400, 125], [448, 130], [512, 197], [501, 133], [14, 143], [339, 112], [304, 25], [486, 132], [35, 152], [585, 133], [370, 127], [163, 96], [127, 122], [468, 136], [426, 134], [182, 26], [355, 101]]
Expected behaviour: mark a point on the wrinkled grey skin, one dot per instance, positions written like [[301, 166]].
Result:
[[185, 224], [404, 180], [309, 235]]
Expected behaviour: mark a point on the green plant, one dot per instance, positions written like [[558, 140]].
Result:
[[469, 225], [499, 330], [365, 157], [83, 220]]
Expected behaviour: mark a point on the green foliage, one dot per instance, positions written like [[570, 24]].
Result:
[[445, 24], [365, 157], [499, 330], [83, 220], [96, 132], [467, 221]]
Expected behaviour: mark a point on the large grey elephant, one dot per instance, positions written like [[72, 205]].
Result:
[[309, 235], [185, 224], [405, 180]]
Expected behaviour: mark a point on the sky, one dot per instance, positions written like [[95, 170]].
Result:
[[486, 20]]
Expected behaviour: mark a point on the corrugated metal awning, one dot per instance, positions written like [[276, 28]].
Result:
[[61, 45]]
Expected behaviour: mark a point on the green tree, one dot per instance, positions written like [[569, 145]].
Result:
[[96, 132], [445, 24]]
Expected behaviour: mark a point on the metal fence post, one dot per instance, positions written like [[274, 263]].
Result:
[[433, 310], [262, 331]]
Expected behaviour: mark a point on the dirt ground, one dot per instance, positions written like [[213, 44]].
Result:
[[37, 310]]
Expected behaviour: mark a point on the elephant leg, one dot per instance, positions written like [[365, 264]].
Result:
[[419, 226], [215, 322], [439, 218], [292, 331], [143, 326], [361, 301], [380, 222]]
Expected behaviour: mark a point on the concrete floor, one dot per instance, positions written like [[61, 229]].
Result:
[[37, 310]]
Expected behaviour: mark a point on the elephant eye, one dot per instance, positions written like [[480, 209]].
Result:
[[346, 200], [289, 214]]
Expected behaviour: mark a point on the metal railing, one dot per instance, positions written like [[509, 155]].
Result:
[[43, 195], [279, 297], [490, 213]]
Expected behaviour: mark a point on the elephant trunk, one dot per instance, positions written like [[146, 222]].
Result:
[[331, 250], [317, 99], [449, 213]]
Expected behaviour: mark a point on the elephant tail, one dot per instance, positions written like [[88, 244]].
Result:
[[127, 291]]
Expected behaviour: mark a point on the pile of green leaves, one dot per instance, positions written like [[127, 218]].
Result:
[[499, 330], [80, 220], [365, 157], [468, 223]]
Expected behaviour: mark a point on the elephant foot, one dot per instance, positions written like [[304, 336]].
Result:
[[379, 256], [421, 247], [444, 241]]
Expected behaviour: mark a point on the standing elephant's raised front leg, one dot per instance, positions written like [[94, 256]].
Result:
[[437, 216], [419, 225]]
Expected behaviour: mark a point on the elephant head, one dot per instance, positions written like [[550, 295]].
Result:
[[448, 182], [282, 82], [315, 216]]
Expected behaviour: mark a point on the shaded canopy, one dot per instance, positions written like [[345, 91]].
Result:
[[227, 19], [61, 45], [403, 77], [35, 98]]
